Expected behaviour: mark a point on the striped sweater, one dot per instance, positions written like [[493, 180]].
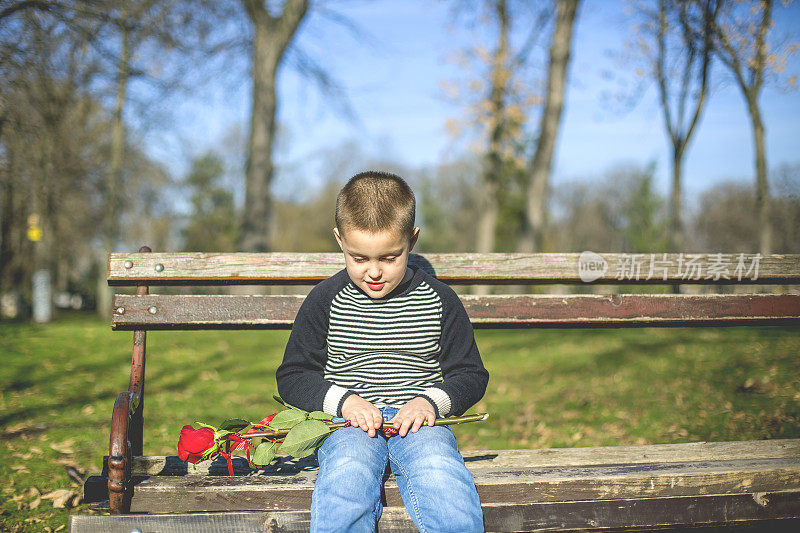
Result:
[[416, 341]]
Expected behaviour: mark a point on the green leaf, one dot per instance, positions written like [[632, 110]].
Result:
[[220, 433], [303, 439], [283, 403], [201, 425], [288, 418], [264, 453], [319, 415], [234, 424]]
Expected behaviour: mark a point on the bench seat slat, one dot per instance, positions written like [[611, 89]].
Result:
[[155, 465], [522, 485], [705, 510], [520, 311], [194, 268]]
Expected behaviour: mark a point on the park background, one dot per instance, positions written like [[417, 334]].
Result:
[[129, 123]]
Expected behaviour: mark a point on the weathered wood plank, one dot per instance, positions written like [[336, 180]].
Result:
[[247, 522], [707, 510], [292, 491], [518, 311], [159, 465], [393, 519], [192, 268], [649, 513]]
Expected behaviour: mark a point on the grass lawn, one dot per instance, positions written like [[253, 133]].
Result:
[[548, 388]]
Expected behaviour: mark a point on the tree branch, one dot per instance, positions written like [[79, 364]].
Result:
[[757, 70], [663, 89], [27, 4]]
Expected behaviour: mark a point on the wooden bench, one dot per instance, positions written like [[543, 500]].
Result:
[[623, 487]]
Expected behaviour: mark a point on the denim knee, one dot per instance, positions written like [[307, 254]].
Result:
[[347, 491], [425, 463]]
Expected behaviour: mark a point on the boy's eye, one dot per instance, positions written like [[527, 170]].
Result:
[[359, 259], [389, 259]]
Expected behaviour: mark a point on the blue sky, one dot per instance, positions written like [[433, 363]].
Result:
[[394, 88]]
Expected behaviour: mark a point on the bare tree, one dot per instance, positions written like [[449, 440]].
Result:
[[741, 43], [498, 103], [272, 36], [133, 37], [536, 194], [681, 66], [498, 133], [47, 158], [57, 64]]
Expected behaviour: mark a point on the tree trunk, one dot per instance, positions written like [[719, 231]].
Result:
[[114, 176], [255, 234], [675, 220], [762, 185], [535, 198], [272, 36], [7, 213], [487, 225], [490, 208]]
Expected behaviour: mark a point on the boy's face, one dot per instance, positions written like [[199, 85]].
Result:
[[376, 262]]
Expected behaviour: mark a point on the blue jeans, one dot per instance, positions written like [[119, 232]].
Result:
[[437, 489]]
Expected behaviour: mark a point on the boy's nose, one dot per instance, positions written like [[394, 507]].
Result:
[[374, 272]]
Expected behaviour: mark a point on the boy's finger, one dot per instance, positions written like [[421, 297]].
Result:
[[417, 423], [397, 420], [405, 426], [373, 423]]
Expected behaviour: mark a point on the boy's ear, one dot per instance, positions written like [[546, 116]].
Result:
[[414, 237], [338, 237]]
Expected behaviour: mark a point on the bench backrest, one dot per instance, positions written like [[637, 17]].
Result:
[[144, 311]]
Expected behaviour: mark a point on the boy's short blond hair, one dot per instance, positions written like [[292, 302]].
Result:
[[375, 201]]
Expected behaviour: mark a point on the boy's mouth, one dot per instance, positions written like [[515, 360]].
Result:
[[375, 286]]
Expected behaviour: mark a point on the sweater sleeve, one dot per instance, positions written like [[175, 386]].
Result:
[[464, 378], [300, 377]]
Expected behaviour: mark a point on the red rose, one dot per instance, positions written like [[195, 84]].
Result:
[[267, 420], [194, 442], [241, 445]]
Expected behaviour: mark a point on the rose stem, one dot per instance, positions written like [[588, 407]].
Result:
[[439, 422]]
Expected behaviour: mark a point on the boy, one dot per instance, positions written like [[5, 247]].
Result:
[[379, 341]]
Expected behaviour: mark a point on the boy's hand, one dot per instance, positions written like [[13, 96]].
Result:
[[412, 415], [362, 413]]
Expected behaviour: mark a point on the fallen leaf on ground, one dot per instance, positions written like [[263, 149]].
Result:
[[35, 503], [63, 447], [21, 427], [61, 497]]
